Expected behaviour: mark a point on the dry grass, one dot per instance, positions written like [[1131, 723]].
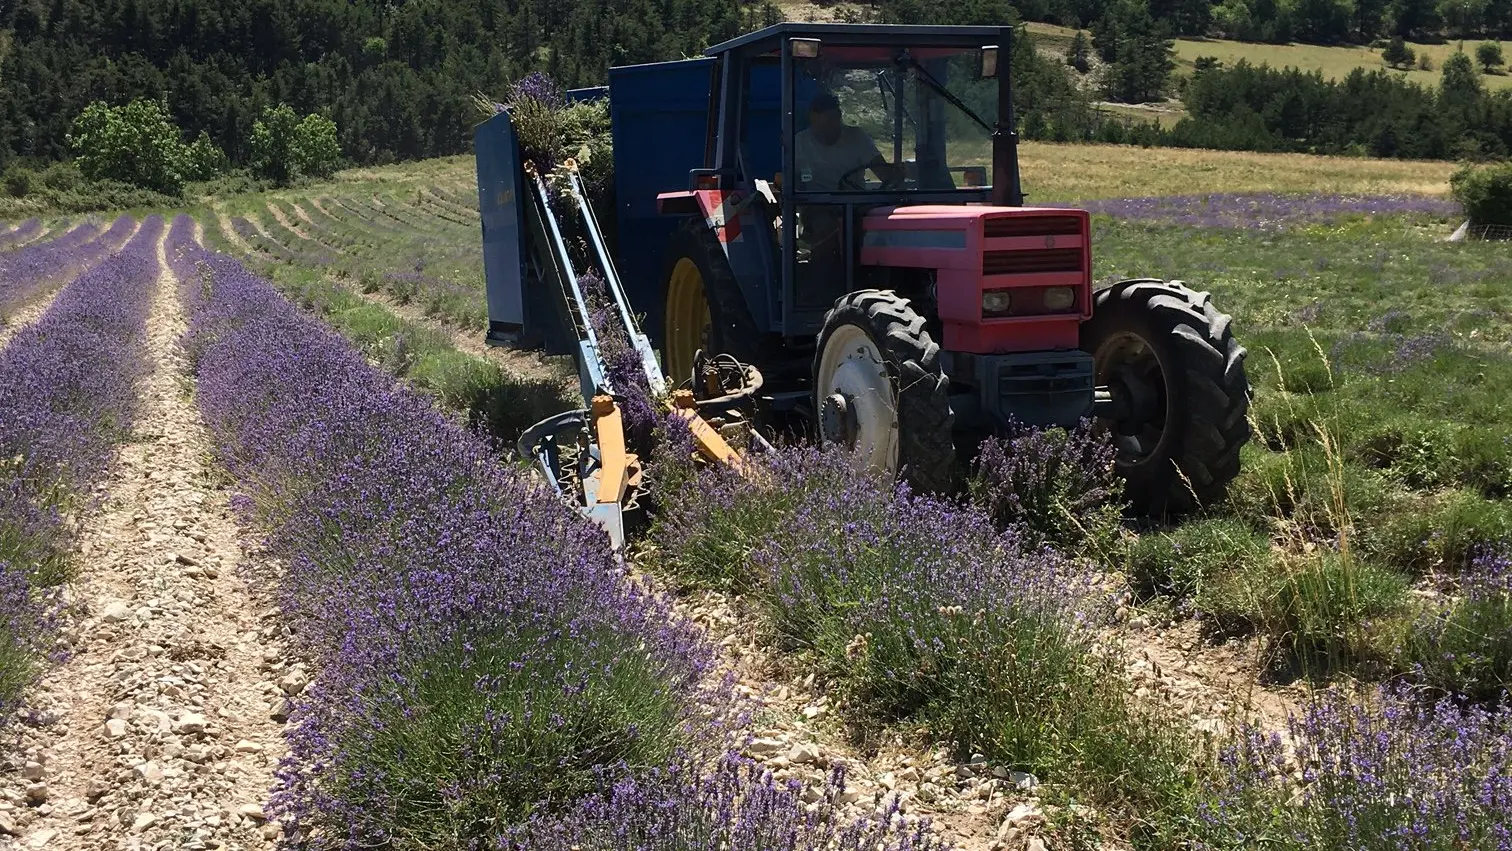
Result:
[[1075, 172], [1335, 62]]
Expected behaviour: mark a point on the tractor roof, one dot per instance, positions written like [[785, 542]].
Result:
[[769, 40]]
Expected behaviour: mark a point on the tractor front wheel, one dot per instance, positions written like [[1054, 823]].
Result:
[[879, 389], [1180, 394]]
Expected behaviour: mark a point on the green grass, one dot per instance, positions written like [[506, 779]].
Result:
[[1382, 458]]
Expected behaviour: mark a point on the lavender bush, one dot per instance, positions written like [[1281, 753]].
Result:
[[1393, 773], [736, 806], [30, 270], [921, 611], [622, 366], [1055, 486], [67, 395], [28, 618], [21, 233], [1464, 644], [479, 651]]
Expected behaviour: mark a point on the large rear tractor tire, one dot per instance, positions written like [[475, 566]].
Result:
[[879, 389], [1177, 378], [704, 308]]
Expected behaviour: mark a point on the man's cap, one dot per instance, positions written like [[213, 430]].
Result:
[[824, 102]]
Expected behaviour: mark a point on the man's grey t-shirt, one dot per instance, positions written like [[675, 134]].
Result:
[[821, 166]]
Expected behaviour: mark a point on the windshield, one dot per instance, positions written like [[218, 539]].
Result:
[[898, 119]]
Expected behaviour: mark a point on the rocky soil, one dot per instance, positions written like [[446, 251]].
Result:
[[163, 729]]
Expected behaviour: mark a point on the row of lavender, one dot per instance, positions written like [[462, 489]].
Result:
[[67, 397], [21, 233], [1265, 211], [921, 611], [30, 270], [488, 676]]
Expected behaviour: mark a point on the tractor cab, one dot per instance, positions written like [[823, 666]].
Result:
[[812, 127]]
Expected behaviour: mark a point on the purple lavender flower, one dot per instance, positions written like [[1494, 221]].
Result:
[[539, 87], [67, 394], [1054, 485], [1392, 772], [734, 805]]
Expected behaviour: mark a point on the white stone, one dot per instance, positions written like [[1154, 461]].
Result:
[[766, 745], [150, 772], [41, 838], [142, 822], [115, 728], [1022, 781], [1022, 813], [115, 612], [803, 753], [190, 722], [294, 681]]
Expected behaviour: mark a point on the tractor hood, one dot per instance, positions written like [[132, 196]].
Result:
[[1029, 257]]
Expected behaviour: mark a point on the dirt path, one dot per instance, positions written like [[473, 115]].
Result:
[[12, 323], [162, 732]]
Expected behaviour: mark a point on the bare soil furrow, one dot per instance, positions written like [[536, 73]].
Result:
[[164, 728]]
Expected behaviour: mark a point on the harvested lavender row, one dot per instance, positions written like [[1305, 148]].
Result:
[[478, 650], [28, 271], [22, 232], [67, 396], [1263, 210]]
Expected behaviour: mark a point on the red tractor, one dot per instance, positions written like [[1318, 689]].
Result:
[[840, 206]]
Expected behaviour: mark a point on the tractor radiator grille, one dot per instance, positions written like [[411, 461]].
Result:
[[1031, 262], [1006, 226]]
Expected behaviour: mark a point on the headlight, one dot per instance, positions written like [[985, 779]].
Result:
[[1059, 298], [996, 301]]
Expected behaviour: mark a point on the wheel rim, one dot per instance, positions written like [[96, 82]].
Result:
[[1131, 368], [853, 382], [688, 319]]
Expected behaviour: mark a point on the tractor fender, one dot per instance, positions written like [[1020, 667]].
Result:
[[739, 228]]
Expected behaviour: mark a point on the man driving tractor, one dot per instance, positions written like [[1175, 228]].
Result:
[[832, 155]]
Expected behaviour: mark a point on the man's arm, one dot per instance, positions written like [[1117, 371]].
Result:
[[887, 172]]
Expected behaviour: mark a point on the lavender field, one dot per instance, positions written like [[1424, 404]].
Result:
[[401, 639]]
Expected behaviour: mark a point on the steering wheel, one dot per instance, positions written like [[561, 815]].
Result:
[[895, 183]]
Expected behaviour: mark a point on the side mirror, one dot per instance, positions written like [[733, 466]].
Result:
[[987, 62]]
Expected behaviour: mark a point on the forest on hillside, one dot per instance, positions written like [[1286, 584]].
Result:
[[395, 76]]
